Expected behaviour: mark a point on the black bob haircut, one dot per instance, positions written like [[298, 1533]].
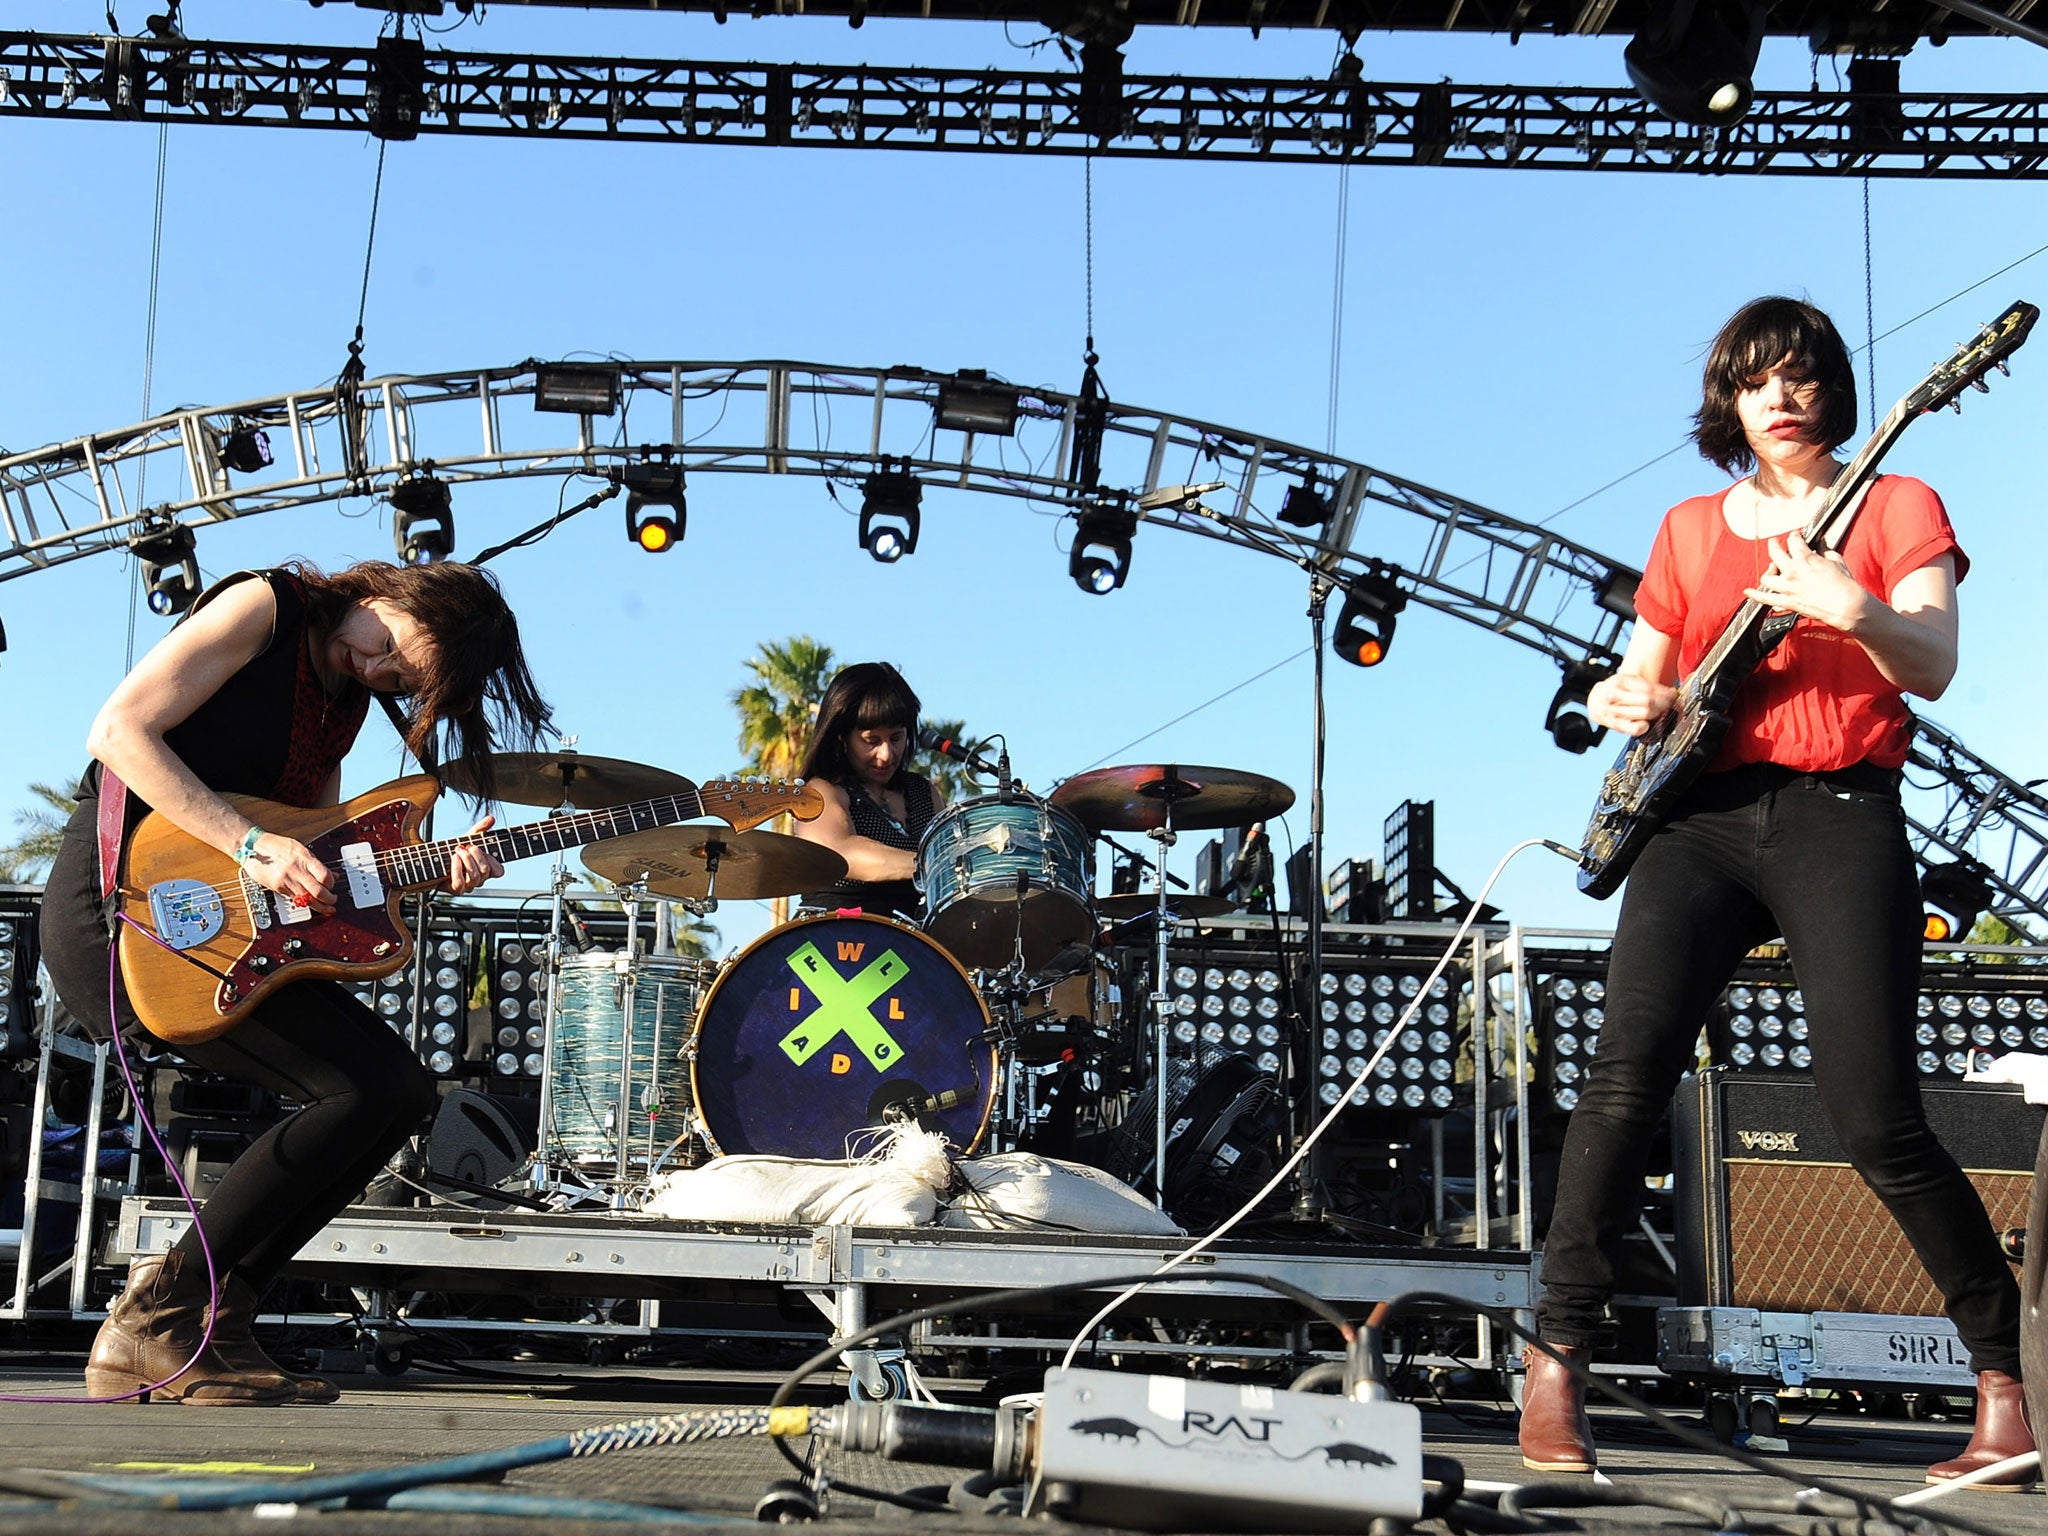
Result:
[[1757, 338], [868, 695]]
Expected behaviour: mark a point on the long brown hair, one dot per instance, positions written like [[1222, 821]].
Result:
[[476, 685], [866, 696]]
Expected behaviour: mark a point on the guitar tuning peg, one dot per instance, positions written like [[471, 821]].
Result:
[[1956, 405], [1980, 386]]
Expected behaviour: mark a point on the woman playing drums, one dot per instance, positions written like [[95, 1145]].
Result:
[[876, 810]]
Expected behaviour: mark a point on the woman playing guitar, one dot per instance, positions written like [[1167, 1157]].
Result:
[[260, 691], [1794, 830]]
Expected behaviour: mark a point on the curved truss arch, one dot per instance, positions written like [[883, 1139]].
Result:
[[1516, 579]]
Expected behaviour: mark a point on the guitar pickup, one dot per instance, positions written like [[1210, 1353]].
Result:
[[359, 868]]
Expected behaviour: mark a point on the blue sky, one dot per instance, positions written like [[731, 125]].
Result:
[[1517, 338]]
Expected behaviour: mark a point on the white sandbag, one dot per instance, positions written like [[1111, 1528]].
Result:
[[897, 1188], [1020, 1192]]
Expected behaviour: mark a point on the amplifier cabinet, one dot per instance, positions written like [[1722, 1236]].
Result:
[[1771, 1215]]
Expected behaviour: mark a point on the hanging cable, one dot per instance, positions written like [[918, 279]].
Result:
[[156, 257], [1869, 309], [347, 388], [1337, 301]]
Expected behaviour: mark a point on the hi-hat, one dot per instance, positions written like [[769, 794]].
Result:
[[1131, 904], [1136, 798], [553, 778], [676, 862]]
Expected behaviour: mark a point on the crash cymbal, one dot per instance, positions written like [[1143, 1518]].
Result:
[[588, 783], [1135, 798], [676, 862], [1119, 909]]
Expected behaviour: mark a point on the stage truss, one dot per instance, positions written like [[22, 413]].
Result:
[[398, 90], [1515, 579]]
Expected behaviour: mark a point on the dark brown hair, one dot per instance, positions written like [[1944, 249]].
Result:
[[869, 695], [476, 684], [1757, 338]]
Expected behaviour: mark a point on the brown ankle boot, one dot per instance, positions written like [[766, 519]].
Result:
[[153, 1333], [2001, 1432], [234, 1342], [1556, 1435]]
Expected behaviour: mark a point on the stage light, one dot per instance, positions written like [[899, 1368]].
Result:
[[1616, 592], [1759, 1024], [658, 486], [422, 520], [1305, 506], [1101, 556], [889, 514], [576, 389], [1357, 1011], [170, 569], [1693, 62], [1956, 896], [1568, 994], [971, 402], [1365, 625], [245, 450], [1568, 723]]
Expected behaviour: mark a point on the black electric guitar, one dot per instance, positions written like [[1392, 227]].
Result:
[[1654, 769]]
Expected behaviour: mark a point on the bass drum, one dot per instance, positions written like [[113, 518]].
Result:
[[830, 1025]]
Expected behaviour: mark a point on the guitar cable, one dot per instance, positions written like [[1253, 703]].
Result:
[[142, 1118]]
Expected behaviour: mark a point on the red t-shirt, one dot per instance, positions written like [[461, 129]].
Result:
[[1818, 701]]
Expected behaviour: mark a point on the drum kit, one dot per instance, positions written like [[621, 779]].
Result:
[[836, 1024]]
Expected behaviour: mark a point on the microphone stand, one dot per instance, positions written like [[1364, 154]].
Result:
[[1309, 1204]]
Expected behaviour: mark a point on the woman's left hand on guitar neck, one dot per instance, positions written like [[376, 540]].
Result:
[[470, 865], [1912, 638]]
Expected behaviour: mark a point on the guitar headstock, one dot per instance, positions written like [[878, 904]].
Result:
[[1988, 350], [744, 803]]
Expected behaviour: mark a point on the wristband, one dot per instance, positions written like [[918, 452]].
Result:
[[248, 847]]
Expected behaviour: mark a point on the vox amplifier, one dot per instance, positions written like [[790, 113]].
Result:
[[1771, 1215]]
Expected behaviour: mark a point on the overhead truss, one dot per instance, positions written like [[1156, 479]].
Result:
[[398, 90], [1516, 579]]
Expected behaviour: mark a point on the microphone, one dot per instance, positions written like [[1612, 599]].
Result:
[[1246, 867], [1182, 496], [929, 740], [578, 930]]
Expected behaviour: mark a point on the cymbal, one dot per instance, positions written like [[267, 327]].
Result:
[[676, 862], [588, 783], [1122, 908], [1135, 798]]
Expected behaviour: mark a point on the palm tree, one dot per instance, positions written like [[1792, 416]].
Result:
[[30, 856], [777, 710]]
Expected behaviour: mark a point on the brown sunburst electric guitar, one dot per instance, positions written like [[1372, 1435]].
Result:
[[202, 944]]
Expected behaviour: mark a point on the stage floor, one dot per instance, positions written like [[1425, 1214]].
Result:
[[383, 1421]]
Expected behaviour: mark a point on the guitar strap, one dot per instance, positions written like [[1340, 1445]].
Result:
[[113, 813]]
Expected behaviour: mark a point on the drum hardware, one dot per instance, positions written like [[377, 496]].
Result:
[[1182, 906]]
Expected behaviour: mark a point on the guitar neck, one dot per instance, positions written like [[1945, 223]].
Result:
[[422, 864]]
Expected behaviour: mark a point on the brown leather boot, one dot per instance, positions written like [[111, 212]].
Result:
[[153, 1332], [2001, 1431], [1556, 1434], [234, 1342]]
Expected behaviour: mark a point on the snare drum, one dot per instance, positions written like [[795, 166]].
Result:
[[829, 1025], [988, 866], [600, 1095]]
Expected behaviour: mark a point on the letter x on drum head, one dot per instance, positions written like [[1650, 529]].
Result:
[[830, 1026]]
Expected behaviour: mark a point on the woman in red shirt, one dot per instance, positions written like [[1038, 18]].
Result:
[[1795, 830]]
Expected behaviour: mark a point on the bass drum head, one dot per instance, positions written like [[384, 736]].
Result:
[[832, 1025]]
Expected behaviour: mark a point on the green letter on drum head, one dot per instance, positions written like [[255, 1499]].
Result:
[[843, 1007]]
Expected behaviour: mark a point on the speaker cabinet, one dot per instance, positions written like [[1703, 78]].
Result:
[[1771, 1215]]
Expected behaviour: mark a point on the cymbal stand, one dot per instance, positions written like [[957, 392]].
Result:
[[623, 989], [1163, 837], [543, 1179]]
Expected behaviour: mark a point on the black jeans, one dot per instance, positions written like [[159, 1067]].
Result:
[[1821, 859], [363, 1091]]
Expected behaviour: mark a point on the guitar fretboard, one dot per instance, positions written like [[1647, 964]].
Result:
[[419, 864]]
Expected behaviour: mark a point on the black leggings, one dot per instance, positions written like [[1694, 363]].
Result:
[[363, 1090], [1823, 860]]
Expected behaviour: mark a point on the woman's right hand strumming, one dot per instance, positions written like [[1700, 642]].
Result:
[[287, 866], [1629, 703]]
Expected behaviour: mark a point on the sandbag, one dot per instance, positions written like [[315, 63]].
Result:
[[1021, 1191], [897, 1188]]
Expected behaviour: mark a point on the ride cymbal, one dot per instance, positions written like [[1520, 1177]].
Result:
[[1117, 909], [587, 783], [1136, 798], [676, 862]]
